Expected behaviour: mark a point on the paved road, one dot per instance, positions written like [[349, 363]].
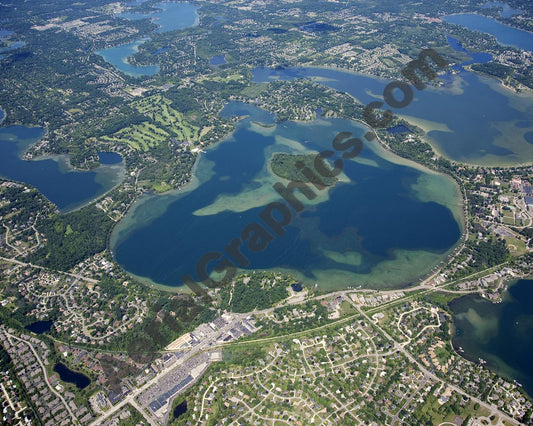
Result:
[[77, 276], [72, 416], [146, 416], [427, 373]]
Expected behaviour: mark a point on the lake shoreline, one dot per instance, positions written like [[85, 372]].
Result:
[[490, 159], [122, 230], [491, 17], [133, 69], [18, 143], [474, 337]]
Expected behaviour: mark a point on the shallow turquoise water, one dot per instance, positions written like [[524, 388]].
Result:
[[379, 227], [502, 118]]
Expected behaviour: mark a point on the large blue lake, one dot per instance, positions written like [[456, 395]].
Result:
[[53, 176], [498, 333], [169, 17], [384, 224], [471, 118], [118, 57], [504, 34]]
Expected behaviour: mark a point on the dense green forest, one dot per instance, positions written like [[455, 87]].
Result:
[[299, 168], [483, 254], [259, 290], [494, 69], [489, 253], [72, 237], [21, 204]]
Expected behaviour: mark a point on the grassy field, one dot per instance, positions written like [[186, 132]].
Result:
[[390, 62], [254, 90], [161, 187], [140, 137], [228, 78], [443, 354], [443, 413], [159, 110], [516, 247], [163, 122], [509, 217]]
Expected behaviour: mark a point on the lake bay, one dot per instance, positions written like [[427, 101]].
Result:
[[169, 17], [53, 176], [445, 113], [499, 333]]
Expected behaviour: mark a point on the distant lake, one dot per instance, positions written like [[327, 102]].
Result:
[[159, 51], [499, 333], [506, 10], [476, 57], [504, 34], [11, 45], [39, 327], [386, 223], [118, 57], [446, 114], [109, 158], [53, 176], [172, 16], [399, 128], [218, 60], [67, 375]]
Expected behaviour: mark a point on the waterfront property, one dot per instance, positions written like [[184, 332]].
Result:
[[505, 34], [170, 17], [445, 113], [498, 333]]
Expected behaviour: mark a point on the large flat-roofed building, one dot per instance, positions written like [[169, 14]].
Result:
[[181, 342]]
